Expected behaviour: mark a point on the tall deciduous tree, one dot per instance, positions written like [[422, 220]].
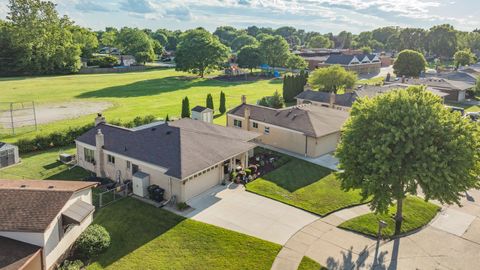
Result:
[[442, 40], [242, 41], [185, 108], [222, 108], [464, 57], [296, 62], [274, 50], [200, 52], [403, 140], [86, 39], [332, 79], [319, 41], [409, 63], [249, 57], [137, 43], [209, 101]]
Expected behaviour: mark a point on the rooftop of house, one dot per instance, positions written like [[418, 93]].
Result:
[[373, 90], [443, 82], [201, 109], [345, 100], [32, 205], [15, 254], [182, 147], [343, 59], [314, 121]]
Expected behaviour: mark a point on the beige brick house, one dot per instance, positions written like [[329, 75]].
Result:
[[306, 129], [184, 157]]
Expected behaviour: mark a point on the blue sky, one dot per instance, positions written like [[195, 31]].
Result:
[[312, 15]]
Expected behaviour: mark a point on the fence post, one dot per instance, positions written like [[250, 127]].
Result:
[[100, 195], [34, 115], [11, 117]]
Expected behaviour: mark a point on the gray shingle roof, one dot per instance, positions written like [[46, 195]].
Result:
[[314, 121], [200, 109], [345, 100], [183, 147], [34, 206], [15, 254], [339, 59]]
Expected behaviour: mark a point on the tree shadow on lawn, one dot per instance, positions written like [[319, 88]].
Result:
[[131, 225], [156, 86], [297, 174], [76, 173]]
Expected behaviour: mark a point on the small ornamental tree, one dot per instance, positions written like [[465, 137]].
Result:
[[222, 107], [404, 140], [209, 101], [185, 108], [409, 63], [332, 79], [464, 58]]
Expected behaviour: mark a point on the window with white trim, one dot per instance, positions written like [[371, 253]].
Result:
[[111, 159], [255, 124], [89, 155], [237, 123], [267, 130]]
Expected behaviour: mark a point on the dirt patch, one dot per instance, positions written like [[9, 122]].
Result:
[[47, 113]]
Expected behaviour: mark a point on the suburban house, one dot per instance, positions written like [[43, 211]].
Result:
[[185, 157], [346, 100], [40, 220], [307, 130], [8, 155]]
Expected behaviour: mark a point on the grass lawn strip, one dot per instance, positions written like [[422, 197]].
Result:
[[416, 214], [307, 186], [145, 237], [309, 264]]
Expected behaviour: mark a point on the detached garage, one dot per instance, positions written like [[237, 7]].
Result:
[[8, 155]]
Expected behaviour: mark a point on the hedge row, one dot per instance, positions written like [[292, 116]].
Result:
[[67, 137]]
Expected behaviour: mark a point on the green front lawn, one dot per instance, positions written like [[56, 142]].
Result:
[[44, 165], [158, 92], [416, 214], [145, 237], [309, 264], [307, 186]]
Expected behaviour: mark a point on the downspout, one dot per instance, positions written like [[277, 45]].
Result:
[[306, 145]]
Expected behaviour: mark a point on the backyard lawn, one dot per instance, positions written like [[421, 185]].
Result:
[[307, 186], [416, 214], [309, 264], [145, 237], [44, 165], [157, 92]]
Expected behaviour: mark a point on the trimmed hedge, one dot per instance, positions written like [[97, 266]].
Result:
[[67, 137], [93, 241], [71, 265]]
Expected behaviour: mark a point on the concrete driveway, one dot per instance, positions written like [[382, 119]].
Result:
[[233, 208]]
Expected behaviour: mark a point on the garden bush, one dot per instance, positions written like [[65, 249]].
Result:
[[107, 61], [93, 241], [71, 265], [182, 206]]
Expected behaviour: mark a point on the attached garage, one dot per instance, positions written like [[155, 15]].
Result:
[[8, 155], [203, 181]]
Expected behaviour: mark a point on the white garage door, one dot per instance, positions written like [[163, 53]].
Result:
[[203, 182]]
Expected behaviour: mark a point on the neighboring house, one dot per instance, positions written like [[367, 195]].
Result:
[[40, 220], [8, 155], [454, 84], [203, 114], [126, 60], [346, 100], [359, 63], [307, 130], [185, 157]]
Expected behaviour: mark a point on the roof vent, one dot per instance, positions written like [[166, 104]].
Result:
[[168, 132], [126, 149], [289, 112], [50, 187], [23, 186], [294, 116], [153, 129]]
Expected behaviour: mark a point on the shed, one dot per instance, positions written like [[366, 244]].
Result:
[[8, 155], [203, 114]]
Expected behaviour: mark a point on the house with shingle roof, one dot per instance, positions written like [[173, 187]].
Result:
[[40, 220], [185, 157], [307, 129]]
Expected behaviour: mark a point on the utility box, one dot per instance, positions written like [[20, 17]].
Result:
[[140, 183]]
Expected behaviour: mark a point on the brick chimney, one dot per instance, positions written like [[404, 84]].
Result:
[[246, 115], [332, 100], [99, 155], [244, 99], [100, 119]]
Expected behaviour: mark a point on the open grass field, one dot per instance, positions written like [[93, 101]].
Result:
[[156, 92], [145, 237], [307, 186], [416, 214]]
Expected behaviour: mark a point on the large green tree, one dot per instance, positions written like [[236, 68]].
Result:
[[464, 57], [200, 52], [409, 63], [404, 140], [332, 79], [37, 40], [86, 39], [242, 41], [296, 62], [274, 50], [442, 40], [137, 43], [227, 34], [319, 41], [249, 57]]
